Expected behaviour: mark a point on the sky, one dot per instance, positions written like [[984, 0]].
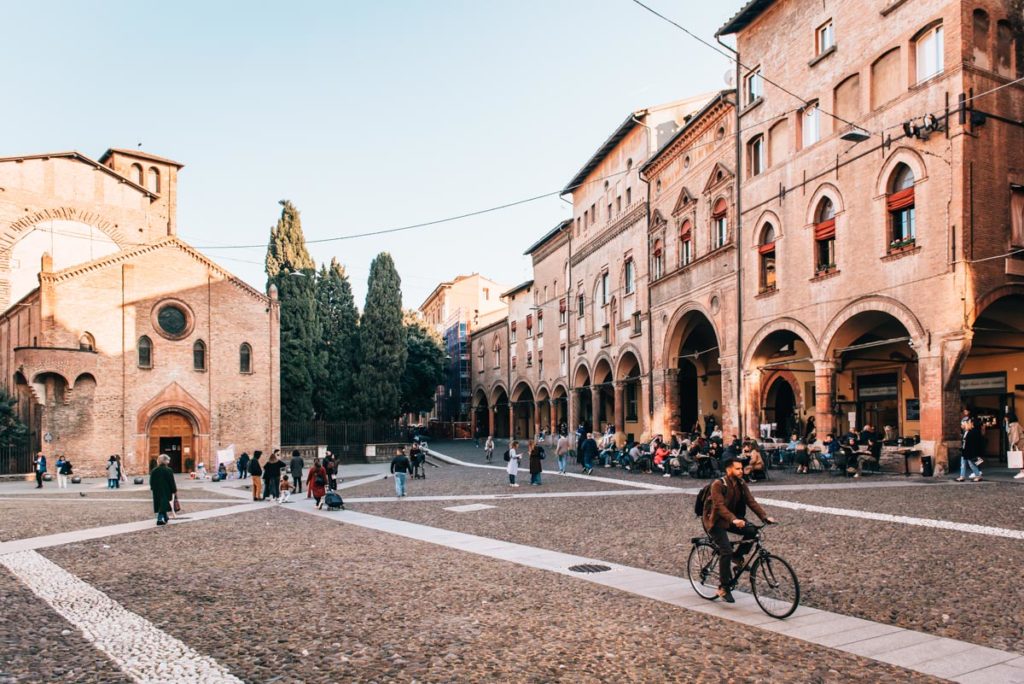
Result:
[[366, 115]]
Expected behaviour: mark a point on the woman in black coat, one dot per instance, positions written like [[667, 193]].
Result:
[[536, 467], [972, 451]]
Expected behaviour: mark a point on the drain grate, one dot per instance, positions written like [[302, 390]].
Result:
[[589, 568]]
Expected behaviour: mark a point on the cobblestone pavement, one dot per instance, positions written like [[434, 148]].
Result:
[[953, 584], [327, 602]]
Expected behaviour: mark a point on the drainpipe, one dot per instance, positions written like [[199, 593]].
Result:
[[650, 313], [739, 245]]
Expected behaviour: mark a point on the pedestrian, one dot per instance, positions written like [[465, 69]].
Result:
[[972, 448], [112, 472], [589, 452], [256, 470], [1015, 437], [331, 466], [272, 476], [536, 452], [243, 465], [489, 448], [562, 452], [316, 482], [296, 465], [286, 489], [120, 472], [400, 467], [161, 483], [39, 465], [63, 470], [222, 472], [513, 463]]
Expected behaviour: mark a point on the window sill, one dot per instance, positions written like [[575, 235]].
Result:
[[145, 367], [900, 252], [891, 7], [825, 274], [751, 105], [822, 56], [636, 333], [764, 294]]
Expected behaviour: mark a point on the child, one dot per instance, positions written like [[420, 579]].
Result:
[[286, 489], [222, 472]]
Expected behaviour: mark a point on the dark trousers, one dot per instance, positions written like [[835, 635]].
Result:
[[720, 535], [39, 479], [297, 479], [273, 489]]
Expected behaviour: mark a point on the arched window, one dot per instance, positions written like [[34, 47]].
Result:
[[657, 260], [87, 342], [980, 53], [719, 224], [145, 348], [154, 179], [685, 243], [900, 205], [1004, 48], [245, 358], [496, 351], [199, 355], [825, 236], [766, 254], [136, 173]]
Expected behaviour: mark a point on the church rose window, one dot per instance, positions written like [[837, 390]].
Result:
[[172, 320]]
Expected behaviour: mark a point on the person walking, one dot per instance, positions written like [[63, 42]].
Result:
[[400, 467], [489, 448], [39, 465], [590, 453], [272, 476], [316, 482], [513, 463], [112, 472], [1015, 438], [120, 472], [296, 465], [971, 450], [536, 452], [256, 470], [243, 465], [161, 484], [331, 466], [562, 452], [63, 470]]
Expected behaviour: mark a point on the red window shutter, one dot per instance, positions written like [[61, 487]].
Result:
[[529, 320], [540, 315], [684, 233], [721, 208], [561, 306], [900, 200], [825, 230], [657, 248], [764, 249], [513, 325]]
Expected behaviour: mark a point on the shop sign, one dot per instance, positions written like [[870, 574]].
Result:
[[880, 392], [983, 383]]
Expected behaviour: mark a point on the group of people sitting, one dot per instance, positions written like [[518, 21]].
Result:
[[848, 454]]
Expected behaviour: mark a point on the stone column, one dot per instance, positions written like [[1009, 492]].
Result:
[[511, 419], [939, 393], [824, 393], [620, 406], [490, 421], [673, 419], [595, 405], [536, 416], [472, 422], [552, 416]]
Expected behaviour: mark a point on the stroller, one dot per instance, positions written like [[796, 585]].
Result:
[[332, 501]]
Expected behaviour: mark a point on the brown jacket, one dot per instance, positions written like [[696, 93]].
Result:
[[727, 502]]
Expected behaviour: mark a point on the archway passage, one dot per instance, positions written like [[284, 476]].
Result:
[[543, 410], [560, 409], [780, 408], [500, 408], [173, 433], [523, 426], [786, 394], [876, 376], [584, 400], [991, 382], [696, 394], [629, 408], [481, 424], [603, 395]]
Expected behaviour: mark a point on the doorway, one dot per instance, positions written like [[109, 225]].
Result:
[[172, 447], [172, 433], [782, 408]]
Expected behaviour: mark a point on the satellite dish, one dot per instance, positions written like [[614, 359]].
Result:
[[729, 77]]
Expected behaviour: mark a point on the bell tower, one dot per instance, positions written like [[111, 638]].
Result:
[[159, 176]]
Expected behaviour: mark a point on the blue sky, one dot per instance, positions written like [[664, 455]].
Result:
[[367, 115]]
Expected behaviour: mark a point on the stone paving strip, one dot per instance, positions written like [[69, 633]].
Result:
[[925, 653], [86, 499], [144, 652]]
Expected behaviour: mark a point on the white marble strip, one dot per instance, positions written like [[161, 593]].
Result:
[[900, 519], [86, 499], [144, 652], [491, 497]]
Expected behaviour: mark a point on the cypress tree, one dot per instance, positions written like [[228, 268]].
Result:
[[335, 398], [382, 342], [287, 249]]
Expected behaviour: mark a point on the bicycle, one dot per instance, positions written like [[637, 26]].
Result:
[[772, 580]]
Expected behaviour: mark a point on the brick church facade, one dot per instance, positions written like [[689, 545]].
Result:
[[129, 341]]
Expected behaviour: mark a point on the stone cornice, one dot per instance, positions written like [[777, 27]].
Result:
[[617, 227], [706, 122]]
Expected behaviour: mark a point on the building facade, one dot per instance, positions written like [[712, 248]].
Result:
[[136, 344]]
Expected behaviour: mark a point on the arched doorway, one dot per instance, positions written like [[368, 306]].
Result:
[[500, 408], [629, 415], [783, 386], [695, 397], [481, 425], [543, 410], [523, 426], [560, 407], [780, 408], [584, 400], [603, 389], [173, 433]]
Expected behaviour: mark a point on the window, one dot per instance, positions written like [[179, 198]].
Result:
[[87, 342], [581, 306], [636, 323], [496, 352], [685, 243], [562, 313], [512, 332], [154, 180], [529, 358], [562, 355], [529, 325], [900, 205], [1004, 48], [145, 348], [719, 224], [628, 276], [487, 294], [593, 213], [609, 211], [577, 226], [657, 260], [604, 288], [618, 204], [245, 358], [606, 334], [629, 196], [929, 53], [172, 321], [199, 356], [811, 125], [753, 86], [824, 38], [136, 174], [1016, 216], [586, 218], [766, 252], [825, 237], [540, 362], [631, 401], [513, 362], [540, 323], [755, 155]]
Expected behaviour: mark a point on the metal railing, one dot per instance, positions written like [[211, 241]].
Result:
[[346, 440], [15, 460]]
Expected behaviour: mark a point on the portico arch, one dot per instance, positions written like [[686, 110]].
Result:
[[523, 416], [693, 380], [782, 391]]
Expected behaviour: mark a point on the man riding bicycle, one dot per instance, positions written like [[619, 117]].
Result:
[[724, 512]]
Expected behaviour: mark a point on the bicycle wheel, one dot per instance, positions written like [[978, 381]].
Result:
[[702, 568], [774, 586]]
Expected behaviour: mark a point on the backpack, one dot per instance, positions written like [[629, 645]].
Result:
[[702, 496], [507, 456]]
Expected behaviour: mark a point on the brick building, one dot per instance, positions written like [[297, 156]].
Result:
[[131, 342]]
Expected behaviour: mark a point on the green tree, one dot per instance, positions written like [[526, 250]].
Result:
[[424, 368], [291, 270], [382, 342], [335, 397], [12, 431]]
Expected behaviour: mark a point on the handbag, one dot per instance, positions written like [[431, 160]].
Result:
[[1015, 459], [175, 506]]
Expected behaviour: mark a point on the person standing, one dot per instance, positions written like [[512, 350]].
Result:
[[295, 465], [112, 472], [331, 466], [243, 465], [536, 466], [400, 467], [286, 489], [272, 476], [256, 470], [63, 470], [589, 452], [971, 449], [1015, 437], [562, 452], [161, 483], [489, 448], [39, 465], [513, 463], [120, 472], [316, 482]]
